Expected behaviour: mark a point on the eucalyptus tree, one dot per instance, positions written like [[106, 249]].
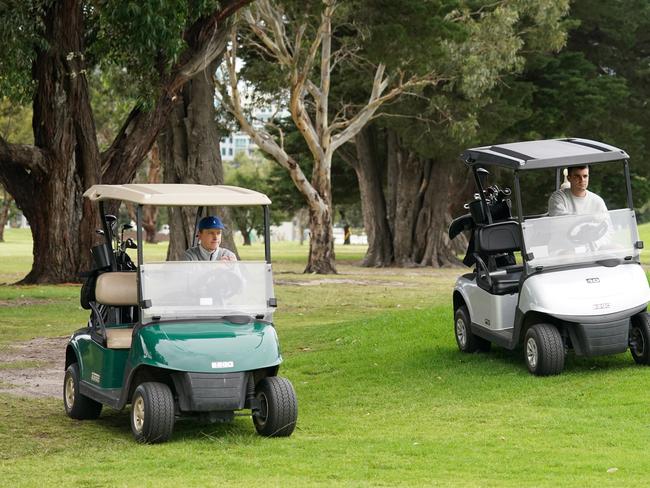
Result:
[[50, 49], [300, 40]]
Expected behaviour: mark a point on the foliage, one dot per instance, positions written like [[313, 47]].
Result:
[[473, 46], [15, 122], [250, 172], [592, 89], [143, 39], [112, 97], [20, 31]]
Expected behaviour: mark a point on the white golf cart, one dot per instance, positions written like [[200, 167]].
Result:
[[578, 283]]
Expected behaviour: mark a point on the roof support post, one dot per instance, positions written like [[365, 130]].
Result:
[[138, 230], [199, 212], [628, 184], [267, 234]]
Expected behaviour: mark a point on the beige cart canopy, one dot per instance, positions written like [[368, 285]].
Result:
[[178, 195]]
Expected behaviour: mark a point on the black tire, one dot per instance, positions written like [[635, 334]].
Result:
[[466, 340], [278, 407], [544, 350], [640, 338], [77, 406], [152, 413]]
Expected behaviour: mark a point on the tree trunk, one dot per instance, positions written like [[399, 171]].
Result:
[[189, 152], [407, 200], [66, 159], [432, 244], [246, 235], [321, 233], [4, 213], [321, 242], [367, 166], [406, 225]]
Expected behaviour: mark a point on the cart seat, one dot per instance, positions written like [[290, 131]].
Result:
[[117, 288], [118, 338], [493, 240], [504, 282]]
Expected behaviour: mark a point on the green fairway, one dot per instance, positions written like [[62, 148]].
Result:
[[385, 398]]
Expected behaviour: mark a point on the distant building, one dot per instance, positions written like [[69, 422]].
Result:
[[235, 143], [238, 142]]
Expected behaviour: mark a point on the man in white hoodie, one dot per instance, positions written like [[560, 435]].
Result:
[[576, 200]]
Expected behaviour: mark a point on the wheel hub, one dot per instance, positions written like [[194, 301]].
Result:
[[262, 414], [69, 392], [531, 352], [138, 414], [461, 332]]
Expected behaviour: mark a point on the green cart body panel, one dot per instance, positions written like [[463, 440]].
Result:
[[198, 347], [99, 366], [206, 347]]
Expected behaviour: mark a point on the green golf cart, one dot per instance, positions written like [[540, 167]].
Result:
[[181, 338]]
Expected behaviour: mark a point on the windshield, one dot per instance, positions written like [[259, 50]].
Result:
[[202, 289], [575, 239]]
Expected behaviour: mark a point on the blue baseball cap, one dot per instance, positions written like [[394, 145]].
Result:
[[211, 222]]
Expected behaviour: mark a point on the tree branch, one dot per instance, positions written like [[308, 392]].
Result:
[[207, 40], [28, 157], [352, 126], [264, 140]]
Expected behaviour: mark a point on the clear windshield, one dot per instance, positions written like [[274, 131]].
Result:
[[200, 289], [575, 239]]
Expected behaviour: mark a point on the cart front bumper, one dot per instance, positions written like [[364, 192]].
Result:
[[211, 392]]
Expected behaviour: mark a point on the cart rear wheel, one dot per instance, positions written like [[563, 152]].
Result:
[[544, 350], [467, 341], [278, 407], [640, 338], [77, 406], [152, 413]]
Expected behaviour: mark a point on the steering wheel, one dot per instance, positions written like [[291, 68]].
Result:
[[224, 283], [588, 232]]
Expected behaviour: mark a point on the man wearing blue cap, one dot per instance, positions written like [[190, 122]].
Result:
[[210, 229]]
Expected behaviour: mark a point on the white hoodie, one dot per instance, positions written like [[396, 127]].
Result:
[[563, 202]]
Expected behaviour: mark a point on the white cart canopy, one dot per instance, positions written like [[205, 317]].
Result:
[[173, 195]]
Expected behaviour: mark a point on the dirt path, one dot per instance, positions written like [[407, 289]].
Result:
[[33, 368]]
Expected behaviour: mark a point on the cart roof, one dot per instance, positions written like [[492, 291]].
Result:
[[550, 153], [178, 194]]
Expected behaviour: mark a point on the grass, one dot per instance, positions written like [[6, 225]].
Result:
[[385, 399]]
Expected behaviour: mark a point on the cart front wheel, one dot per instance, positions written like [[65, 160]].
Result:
[[467, 341], [640, 338], [152, 413], [278, 407], [544, 350], [77, 406]]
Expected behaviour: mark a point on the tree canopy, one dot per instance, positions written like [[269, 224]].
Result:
[[49, 49]]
